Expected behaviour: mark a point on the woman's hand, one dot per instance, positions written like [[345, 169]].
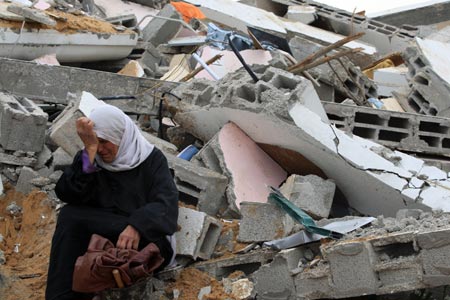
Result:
[[85, 130], [129, 238]]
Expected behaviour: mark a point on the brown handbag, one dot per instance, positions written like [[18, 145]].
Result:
[[93, 270]]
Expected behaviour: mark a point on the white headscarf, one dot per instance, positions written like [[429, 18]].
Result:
[[112, 124]]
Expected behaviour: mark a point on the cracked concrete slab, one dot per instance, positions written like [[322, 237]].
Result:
[[353, 162]]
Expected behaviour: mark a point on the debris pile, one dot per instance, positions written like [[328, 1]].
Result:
[[309, 143]]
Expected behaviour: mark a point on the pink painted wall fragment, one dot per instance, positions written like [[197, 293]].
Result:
[[251, 168]]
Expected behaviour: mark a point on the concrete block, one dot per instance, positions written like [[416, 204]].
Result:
[[24, 183], [262, 222], [22, 124], [207, 186], [198, 235], [387, 38], [398, 276], [160, 31], [274, 280], [161, 144], [310, 193], [300, 13], [63, 131], [428, 77], [247, 263], [1, 186], [435, 247], [351, 268], [15, 160], [403, 131], [314, 282]]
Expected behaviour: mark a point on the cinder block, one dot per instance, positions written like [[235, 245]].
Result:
[[274, 280], [247, 263], [262, 222], [22, 124], [403, 131], [435, 256], [201, 183], [160, 31], [351, 267], [314, 282], [430, 88], [198, 235], [310, 193], [385, 37], [63, 131]]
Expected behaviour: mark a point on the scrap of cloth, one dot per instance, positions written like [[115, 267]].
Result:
[[93, 271]]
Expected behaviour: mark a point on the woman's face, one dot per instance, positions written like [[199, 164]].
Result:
[[107, 150]]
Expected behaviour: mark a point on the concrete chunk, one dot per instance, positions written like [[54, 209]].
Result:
[[22, 124], [310, 193], [198, 235], [207, 186], [32, 14], [262, 222], [24, 184], [159, 30]]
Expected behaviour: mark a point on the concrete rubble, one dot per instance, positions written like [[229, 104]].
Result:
[[345, 112]]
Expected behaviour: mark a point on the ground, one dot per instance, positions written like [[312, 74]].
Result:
[[26, 245]]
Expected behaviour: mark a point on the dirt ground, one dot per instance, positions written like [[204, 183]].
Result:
[[26, 240], [26, 245]]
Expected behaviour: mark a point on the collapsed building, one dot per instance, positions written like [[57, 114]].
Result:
[[344, 113]]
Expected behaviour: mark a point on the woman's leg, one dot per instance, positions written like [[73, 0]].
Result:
[[73, 231]]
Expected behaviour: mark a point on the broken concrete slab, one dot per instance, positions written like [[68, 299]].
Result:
[[32, 14], [301, 13], [310, 193], [55, 84], [251, 169], [359, 171], [22, 124], [17, 160], [198, 235], [61, 159], [79, 46]]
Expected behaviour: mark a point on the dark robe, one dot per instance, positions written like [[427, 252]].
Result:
[[105, 203]]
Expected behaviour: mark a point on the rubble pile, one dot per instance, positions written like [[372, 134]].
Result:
[[309, 143]]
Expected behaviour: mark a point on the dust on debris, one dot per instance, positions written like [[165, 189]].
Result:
[[71, 24]]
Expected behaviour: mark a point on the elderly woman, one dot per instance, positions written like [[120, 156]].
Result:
[[120, 187]]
